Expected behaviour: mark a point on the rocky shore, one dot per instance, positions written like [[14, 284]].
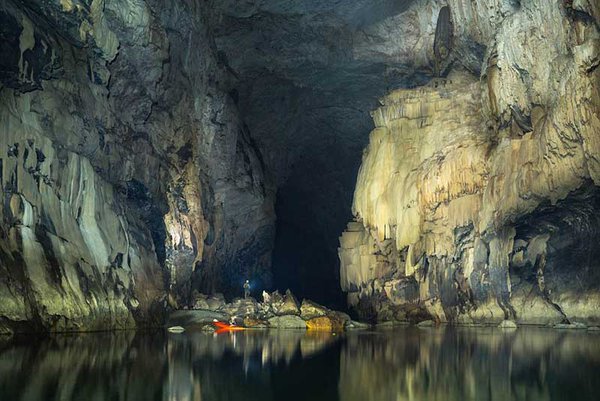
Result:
[[281, 311], [284, 311]]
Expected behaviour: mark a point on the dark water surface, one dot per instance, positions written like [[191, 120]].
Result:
[[402, 364]]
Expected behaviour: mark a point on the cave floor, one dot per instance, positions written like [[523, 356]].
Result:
[[412, 363]]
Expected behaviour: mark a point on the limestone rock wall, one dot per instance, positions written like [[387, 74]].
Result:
[[477, 193], [128, 178]]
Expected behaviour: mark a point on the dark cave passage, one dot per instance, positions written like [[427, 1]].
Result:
[[556, 251], [312, 208], [304, 261]]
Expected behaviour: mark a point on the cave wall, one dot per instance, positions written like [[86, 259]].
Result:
[[473, 188], [128, 177]]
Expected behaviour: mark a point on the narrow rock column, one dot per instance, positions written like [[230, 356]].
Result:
[[500, 248]]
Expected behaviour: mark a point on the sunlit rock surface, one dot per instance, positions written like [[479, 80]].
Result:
[[128, 176], [477, 196]]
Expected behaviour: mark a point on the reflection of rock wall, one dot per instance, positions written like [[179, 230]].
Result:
[[125, 169], [471, 186], [83, 367], [466, 365], [156, 366]]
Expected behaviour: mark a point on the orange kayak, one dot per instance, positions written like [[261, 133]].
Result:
[[224, 327]]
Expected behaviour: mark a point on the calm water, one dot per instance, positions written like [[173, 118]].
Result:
[[404, 364]]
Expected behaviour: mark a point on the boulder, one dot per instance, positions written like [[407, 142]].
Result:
[[570, 326], [176, 329], [385, 325], [325, 323], [201, 304], [241, 307], [354, 325], [426, 323], [265, 311], [275, 298], [594, 328], [195, 318], [391, 324], [202, 301], [255, 323], [344, 317], [309, 310], [507, 324], [287, 306], [287, 322], [215, 302]]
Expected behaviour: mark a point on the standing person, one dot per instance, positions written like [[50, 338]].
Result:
[[247, 289]]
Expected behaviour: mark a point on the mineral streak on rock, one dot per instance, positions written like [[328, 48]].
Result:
[[477, 195], [442, 44]]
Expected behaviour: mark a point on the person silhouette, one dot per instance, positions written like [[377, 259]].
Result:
[[247, 289]]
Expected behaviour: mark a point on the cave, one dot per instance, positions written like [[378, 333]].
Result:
[[268, 193]]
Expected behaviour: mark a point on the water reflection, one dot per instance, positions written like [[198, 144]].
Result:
[[253, 365], [470, 364], [195, 366], [405, 364]]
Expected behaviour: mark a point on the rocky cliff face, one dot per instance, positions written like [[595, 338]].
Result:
[[128, 177], [477, 197]]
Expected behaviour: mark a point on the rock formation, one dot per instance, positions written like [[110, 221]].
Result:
[[276, 311], [128, 177], [478, 194]]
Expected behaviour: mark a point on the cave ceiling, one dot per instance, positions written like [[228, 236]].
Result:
[[307, 73]]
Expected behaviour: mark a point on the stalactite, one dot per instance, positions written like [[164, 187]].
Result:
[[453, 167]]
